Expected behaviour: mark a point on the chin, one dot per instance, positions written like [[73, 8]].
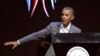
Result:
[[63, 19], [65, 22]]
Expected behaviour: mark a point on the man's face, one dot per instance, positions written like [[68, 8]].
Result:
[[66, 16]]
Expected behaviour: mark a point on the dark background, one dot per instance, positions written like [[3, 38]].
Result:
[[15, 21]]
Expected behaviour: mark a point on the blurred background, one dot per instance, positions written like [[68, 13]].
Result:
[[15, 21]]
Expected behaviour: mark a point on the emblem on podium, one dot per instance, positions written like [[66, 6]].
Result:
[[77, 51]]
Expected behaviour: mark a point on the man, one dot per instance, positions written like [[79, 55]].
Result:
[[65, 26]]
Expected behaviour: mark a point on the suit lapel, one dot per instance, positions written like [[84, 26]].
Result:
[[71, 30], [58, 27]]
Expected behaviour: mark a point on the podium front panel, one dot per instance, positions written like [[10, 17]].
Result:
[[62, 43]]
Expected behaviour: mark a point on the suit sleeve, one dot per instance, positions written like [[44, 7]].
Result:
[[36, 35]]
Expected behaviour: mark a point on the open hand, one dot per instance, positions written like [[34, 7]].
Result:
[[14, 43]]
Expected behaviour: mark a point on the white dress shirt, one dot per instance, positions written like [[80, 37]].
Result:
[[64, 29]]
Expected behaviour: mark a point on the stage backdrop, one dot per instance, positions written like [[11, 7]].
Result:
[[19, 18]]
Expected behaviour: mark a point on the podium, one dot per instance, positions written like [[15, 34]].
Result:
[[64, 42]]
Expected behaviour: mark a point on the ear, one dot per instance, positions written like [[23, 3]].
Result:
[[72, 18]]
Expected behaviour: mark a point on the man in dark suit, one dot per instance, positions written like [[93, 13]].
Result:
[[65, 26]]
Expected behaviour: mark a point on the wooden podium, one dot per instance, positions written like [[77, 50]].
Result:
[[63, 42]]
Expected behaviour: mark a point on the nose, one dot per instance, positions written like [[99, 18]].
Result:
[[63, 16]]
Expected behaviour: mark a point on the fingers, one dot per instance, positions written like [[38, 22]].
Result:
[[8, 43], [14, 46], [14, 43], [44, 44]]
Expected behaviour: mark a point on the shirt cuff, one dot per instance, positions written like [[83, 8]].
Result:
[[18, 42]]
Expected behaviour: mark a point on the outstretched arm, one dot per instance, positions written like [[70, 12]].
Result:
[[33, 36]]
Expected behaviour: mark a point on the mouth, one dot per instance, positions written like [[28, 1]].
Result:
[[63, 18]]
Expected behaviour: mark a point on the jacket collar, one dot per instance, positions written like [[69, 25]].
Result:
[[59, 25]]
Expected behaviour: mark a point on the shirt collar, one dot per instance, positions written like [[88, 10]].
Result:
[[68, 27]]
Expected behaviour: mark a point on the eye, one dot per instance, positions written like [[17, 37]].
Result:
[[66, 15]]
